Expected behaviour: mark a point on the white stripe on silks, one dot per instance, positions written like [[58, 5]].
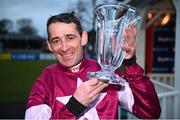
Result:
[[91, 112], [38, 112], [126, 98], [64, 99]]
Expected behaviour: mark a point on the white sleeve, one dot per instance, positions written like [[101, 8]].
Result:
[[125, 97], [39, 112]]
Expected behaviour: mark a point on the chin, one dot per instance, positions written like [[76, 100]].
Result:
[[68, 65]]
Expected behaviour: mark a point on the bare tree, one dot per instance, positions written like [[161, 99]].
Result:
[[5, 26], [83, 9], [25, 26]]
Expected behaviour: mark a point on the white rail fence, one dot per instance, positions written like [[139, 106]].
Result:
[[168, 97], [164, 78], [169, 101]]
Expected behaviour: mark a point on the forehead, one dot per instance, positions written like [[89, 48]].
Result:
[[62, 28]]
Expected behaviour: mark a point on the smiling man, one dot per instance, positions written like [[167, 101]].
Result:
[[63, 91], [66, 43]]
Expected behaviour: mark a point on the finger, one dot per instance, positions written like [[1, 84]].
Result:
[[130, 42], [127, 35], [126, 48], [97, 85], [130, 32], [134, 30], [93, 98], [94, 94], [92, 82], [100, 87]]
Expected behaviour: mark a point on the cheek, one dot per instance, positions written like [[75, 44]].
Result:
[[56, 49], [76, 47], [80, 53]]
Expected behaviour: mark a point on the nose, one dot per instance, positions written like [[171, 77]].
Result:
[[64, 46]]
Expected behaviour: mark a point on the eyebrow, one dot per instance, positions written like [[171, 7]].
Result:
[[71, 35]]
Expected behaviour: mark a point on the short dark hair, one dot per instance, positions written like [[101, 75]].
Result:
[[65, 18]]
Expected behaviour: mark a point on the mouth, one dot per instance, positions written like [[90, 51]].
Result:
[[67, 56]]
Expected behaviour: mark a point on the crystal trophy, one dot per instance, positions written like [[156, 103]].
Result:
[[112, 19]]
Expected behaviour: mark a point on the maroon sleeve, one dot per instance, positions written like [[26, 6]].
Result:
[[40, 94], [146, 103]]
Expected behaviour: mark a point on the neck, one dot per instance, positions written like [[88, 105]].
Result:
[[76, 67]]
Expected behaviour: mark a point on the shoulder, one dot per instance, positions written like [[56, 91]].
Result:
[[92, 65], [48, 72], [51, 68], [92, 62]]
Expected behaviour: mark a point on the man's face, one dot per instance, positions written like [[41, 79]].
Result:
[[66, 43]]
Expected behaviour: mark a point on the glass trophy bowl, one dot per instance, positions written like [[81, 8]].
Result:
[[112, 20]]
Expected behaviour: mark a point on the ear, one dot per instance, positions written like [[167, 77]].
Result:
[[84, 39], [49, 45]]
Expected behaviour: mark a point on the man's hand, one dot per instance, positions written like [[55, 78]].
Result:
[[130, 36], [87, 92]]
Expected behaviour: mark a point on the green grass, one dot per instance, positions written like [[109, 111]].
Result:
[[16, 78]]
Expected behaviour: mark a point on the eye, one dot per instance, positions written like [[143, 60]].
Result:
[[69, 38], [55, 41]]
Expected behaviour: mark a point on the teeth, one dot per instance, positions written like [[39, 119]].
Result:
[[67, 55]]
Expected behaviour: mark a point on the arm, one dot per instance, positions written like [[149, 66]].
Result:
[[146, 103], [138, 95], [38, 106]]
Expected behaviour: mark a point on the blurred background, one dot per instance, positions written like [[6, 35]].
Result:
[[23, 50]]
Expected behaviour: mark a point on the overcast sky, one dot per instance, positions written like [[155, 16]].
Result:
[[40, 10], [37, 10]]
